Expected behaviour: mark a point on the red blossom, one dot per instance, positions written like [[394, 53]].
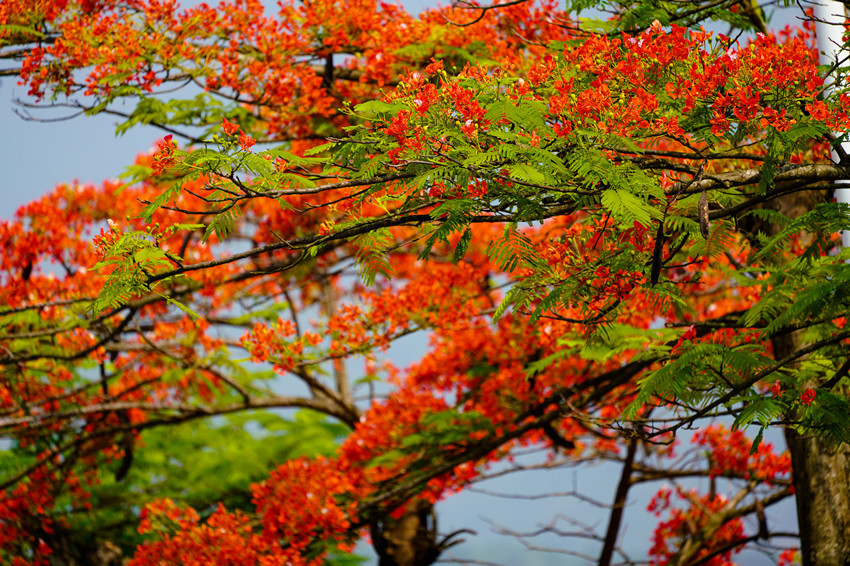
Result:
[[398, 127], [246, 141], [229, 128], [164, 158], [563, 130], [541, 71], [789, 557]]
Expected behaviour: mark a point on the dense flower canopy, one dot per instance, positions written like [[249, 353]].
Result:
[[605, 237]]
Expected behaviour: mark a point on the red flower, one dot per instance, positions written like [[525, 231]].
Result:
[[808, 396], [469, 128], [788, 557], [165, 157], [229, 128], [818, 109], [398, 127], [562, 131], [541, 71], [246, 141], [776, 388], [434, 67]]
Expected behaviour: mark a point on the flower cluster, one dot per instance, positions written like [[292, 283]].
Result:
[[164, 157]]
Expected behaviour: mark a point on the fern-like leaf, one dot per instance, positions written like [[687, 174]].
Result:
[[371, 254]]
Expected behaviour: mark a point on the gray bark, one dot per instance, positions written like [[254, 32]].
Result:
[[822, 489]]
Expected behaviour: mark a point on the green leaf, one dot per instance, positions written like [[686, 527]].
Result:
[[757, 441], [371, 254], [223, 223], [627, 208], [512, 250], [181, 306], [527, 173], [379, 107], [320, 149], [462, 245], [23, 30]]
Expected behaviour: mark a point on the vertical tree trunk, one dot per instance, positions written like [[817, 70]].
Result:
[[409, 540], [822, 489], [821, 472]]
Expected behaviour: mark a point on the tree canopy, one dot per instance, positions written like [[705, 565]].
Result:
[[607, 230]]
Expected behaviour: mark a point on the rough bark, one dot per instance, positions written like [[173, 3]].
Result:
[[409, 540], [822, 489], [821, 472]]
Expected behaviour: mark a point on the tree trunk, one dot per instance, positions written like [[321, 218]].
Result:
[[821, 472], [409, 540], [822, 489]]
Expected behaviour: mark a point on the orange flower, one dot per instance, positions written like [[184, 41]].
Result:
[[246, 141], [229, 128], [165, 156]]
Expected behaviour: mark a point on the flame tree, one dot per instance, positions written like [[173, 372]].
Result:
[[608, 230]]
